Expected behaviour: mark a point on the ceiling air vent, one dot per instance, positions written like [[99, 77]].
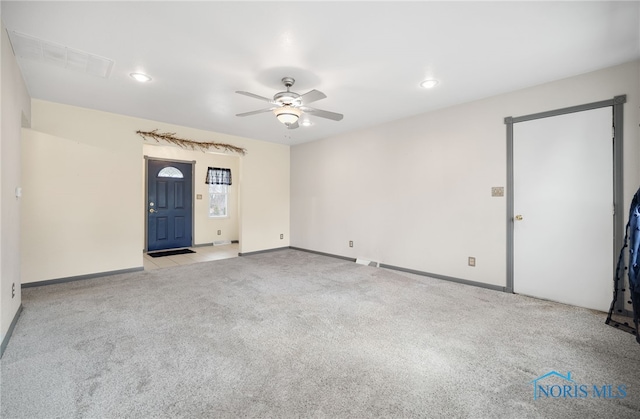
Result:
[[32, 48]]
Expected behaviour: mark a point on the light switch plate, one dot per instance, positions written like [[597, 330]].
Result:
[[199, 196], [497, 191]]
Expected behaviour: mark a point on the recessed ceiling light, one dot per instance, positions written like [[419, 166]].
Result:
[[306, 123], [428, 84], [143, 78]]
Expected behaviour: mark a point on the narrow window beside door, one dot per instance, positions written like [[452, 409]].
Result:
[[219, 181], [218, 199]]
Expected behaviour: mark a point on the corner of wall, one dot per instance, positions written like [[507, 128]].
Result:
[[15, 105]]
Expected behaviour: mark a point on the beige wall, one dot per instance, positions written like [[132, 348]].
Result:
[[205, 227], [415, 193], [80, 208], [97, 211], [15, 108]]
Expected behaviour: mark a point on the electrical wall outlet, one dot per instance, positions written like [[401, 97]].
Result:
[[497, 191], [199, 196], [350, 243], [281, 236], [472, 261]]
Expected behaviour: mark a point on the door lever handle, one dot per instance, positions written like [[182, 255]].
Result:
[[518, 217], [152, 211]]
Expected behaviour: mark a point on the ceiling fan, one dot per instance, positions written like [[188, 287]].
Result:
[[289, 106]]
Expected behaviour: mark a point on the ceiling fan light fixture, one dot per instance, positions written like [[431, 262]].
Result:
[[429, 83], [287, 114]]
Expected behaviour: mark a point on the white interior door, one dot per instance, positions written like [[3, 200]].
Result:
[[563, 193]]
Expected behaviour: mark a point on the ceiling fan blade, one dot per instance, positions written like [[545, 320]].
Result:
[[255, 112], [312, 96], [254, 96], [293, 126], [323, 114]]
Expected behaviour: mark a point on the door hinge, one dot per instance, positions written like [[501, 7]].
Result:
[[613, 133]]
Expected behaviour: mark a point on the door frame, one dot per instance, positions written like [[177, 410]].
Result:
[[618, 204], [146, 196]]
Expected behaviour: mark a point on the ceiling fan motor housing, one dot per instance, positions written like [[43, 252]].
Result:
[[288, 97]]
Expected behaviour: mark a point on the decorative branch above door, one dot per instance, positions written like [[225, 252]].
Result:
[[170, 137]]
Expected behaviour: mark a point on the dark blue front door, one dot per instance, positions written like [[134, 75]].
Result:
[[169, 205]]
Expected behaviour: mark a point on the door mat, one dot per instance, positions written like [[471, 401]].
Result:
[[170, 253]]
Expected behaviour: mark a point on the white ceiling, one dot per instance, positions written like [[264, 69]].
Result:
[[367, 57]]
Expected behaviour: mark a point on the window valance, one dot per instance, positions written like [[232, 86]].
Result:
[[218, 176]]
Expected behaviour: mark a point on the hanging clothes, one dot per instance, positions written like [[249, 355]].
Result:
[[634, 270], [631, 241]]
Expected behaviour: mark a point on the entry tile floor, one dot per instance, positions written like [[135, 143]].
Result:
[[203, 254]]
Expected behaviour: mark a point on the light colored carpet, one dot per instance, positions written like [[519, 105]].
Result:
[[295, 334]]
